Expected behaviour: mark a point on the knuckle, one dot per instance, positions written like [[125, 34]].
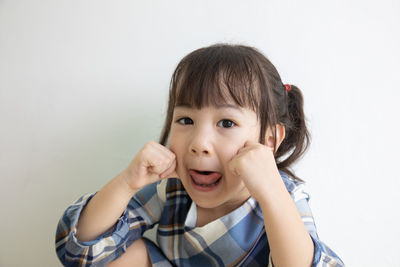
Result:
[[146, 146], [165, 161], [240, 163], [150, 144], [157, 162]]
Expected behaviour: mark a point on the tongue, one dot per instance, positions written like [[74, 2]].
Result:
[[205, 179]]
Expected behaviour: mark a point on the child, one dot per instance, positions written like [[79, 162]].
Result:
[[220, 192]]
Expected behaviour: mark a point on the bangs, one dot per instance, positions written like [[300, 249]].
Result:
[[217, 76]]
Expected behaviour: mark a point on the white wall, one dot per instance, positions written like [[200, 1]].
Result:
[[83, 86]]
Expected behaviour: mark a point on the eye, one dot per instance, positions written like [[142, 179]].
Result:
[[185, 121], [226, 123]]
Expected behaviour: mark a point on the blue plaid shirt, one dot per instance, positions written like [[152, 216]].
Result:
[[236, 239]]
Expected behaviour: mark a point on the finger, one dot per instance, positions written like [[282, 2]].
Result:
[[159, 165], [248, 145], [157, 158], [166, 152], [233, 167], [155, 147], [170, 172]]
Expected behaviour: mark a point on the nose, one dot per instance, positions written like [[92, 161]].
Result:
[[200, 145], [200, 151]]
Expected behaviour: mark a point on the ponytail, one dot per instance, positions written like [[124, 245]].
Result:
[[297, 137]]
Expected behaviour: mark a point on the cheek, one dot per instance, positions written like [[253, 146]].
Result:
[[177, 150], [177, 146], [230, 150], [236, 142], [173, 141]]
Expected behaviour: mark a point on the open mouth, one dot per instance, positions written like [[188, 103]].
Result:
[[205, 180], [204, 172]]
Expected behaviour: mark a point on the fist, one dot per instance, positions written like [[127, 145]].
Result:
[[255, 164], [152, 163]]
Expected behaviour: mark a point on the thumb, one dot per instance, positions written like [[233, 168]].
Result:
[[170, 172], [233, 167]]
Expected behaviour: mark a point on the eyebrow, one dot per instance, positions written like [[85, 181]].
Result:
[[235, 107]]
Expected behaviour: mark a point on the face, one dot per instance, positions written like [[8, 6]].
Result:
[[204, 141]]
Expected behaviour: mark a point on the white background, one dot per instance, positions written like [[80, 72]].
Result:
[[83, 85]]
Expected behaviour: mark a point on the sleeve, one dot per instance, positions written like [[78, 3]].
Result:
[[323, 255], [141, 214]]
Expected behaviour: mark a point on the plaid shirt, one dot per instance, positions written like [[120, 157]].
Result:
[[236, 239]]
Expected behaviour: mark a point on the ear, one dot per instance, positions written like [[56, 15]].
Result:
[[280, 135]]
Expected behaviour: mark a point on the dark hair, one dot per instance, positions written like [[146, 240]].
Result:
[[205, 77]]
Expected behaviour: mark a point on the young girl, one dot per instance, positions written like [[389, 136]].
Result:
[[219, 192]]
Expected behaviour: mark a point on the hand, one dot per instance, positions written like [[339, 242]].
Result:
[[255, 164], [152, 163]]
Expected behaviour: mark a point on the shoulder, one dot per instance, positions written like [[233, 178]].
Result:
[[295, 187]]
